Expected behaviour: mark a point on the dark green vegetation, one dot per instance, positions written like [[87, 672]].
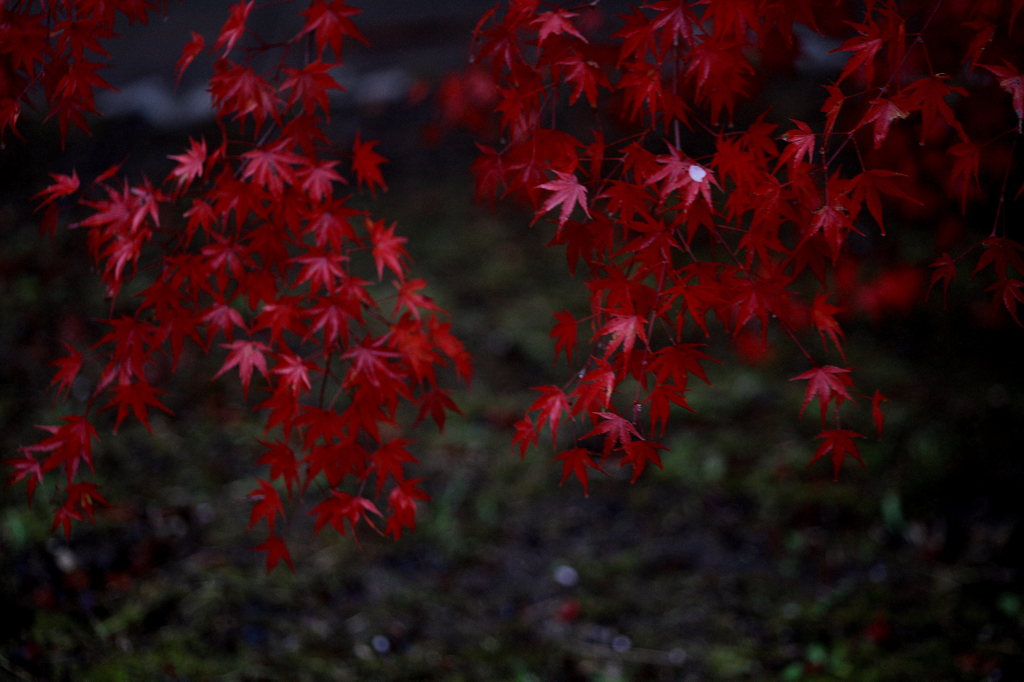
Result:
[[734, 562]]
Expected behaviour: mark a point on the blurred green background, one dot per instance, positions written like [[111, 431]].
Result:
[[735, 562]]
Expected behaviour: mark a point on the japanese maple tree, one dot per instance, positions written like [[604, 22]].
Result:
[[649, 138], [247, 249], [712, 168]]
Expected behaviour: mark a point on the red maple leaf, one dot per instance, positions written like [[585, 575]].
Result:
[[246, 356], [408, 297], [944, 271], [575, 462], [624, 331], [133, 341], [389, 461], [72, 96], [556, 22], [191, 50], [1001, 254], [276, 550], [645, 92], [190, 164], [85, 496], [801, 144], [720, 72], [617, 431], [838, 442], [294, 371], [676, 362], [526, 434], [833, 222], [309, 85], [316, 178], [329, 222], [271, 166], [62, 186], [370, 364], [661, 398], [585, 76], [330, 23], [1011, 81], [366, 164], [566, 192], [416, 349], [138, 395], [268, 505], [552, 405], [222, 318], [437, 403], [869, 185], [675, 20], [68, 444], [1009, 292], [831, 107], [627, 200], [594, 391], [388, 248], [64, 517], [68, 368], [402, 503], [638, 454], [680, 173], [26, 467], [828, 383], [322, 269], [340, 508], [234, 27], [638, 36], [864, 48], [79, 500], [564, 333], [928, 95], [281, 460], [331, 317], [882, 112], [823, 318], [280, 316], [240, 90]]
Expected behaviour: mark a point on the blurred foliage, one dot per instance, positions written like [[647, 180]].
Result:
[[735, 562]]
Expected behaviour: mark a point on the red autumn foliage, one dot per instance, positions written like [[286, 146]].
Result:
[[264, 266], [693, 209], [696, 211]]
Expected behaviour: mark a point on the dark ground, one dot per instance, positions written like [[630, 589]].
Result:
[[734, 563]]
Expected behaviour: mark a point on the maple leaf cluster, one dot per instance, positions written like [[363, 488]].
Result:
[[248, 249], [691, 208], [692, 213], [51, 48]]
